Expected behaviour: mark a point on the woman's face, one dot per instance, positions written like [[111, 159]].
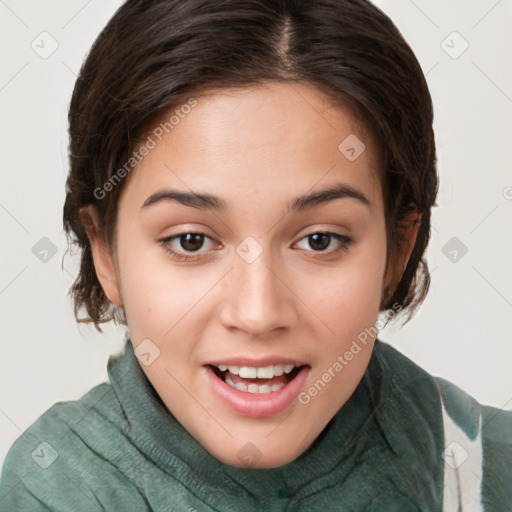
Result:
[[277, 277]]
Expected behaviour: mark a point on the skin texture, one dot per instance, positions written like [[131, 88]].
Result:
[[256, 148]]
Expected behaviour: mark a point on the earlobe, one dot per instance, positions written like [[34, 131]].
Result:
[[102, 257], [407, 233]]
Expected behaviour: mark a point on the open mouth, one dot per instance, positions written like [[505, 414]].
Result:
[[262, 380], [257, 392]]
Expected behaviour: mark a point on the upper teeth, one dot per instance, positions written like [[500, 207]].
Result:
[[249, 372]]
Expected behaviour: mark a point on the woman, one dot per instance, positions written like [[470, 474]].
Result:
[[251, 186]]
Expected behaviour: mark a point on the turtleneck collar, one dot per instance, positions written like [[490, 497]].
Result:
[[391, 424]]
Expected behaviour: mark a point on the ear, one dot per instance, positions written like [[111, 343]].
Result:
[[407, 233], [102, 257]]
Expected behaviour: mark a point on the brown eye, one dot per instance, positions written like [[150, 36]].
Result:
[[191, 241], [183, 245], [320, 241]]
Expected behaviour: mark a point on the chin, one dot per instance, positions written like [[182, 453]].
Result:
[[252, 456]]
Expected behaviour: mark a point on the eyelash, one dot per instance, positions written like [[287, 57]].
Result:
[[344, 240]]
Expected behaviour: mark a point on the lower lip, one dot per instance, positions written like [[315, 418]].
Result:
[[258, 405]]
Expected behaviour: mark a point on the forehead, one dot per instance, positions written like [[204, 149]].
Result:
[[300, 109], [279, 135]]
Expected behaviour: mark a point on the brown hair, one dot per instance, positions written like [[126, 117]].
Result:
[[153, 55]]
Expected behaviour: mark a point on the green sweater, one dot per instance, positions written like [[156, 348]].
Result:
[[404, 441]]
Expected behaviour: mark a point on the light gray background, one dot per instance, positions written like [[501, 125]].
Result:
[[462, 330]]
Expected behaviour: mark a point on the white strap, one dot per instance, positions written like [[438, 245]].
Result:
[[463, 467]]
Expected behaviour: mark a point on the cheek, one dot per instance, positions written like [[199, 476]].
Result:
[[163, 301], [347, 296], [158, 294], [155, 295]]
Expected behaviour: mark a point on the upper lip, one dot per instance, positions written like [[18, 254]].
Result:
[[256, 363]]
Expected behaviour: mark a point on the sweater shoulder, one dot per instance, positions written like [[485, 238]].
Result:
[[57, 462], [57, 425]]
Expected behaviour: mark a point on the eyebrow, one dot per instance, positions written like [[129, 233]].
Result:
[[296, 205]]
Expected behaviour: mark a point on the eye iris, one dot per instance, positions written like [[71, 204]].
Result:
[[191, 241], [319, 241]]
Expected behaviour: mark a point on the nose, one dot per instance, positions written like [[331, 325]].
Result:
[[258, 298]]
